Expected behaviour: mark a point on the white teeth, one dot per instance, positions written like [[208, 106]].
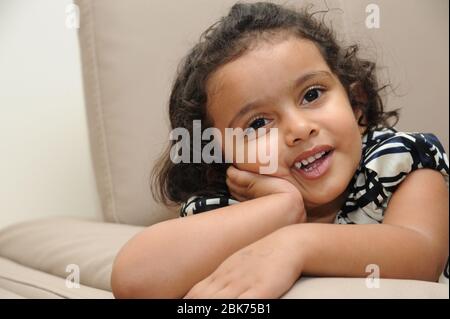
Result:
[[319, 155], [309, 160]]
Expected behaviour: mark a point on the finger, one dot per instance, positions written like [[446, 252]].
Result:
[[196, 290], [257, 293], [239, 198], [248, 294], [234, 186], [228, 292], [203, 289], [226, 286], [241, 177], [236, 191], [222, 292], [189, 295], [192, 293]]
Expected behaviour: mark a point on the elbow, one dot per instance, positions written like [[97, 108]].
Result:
[[428, 259], [123, 285], [434, 259], [136, 278], [128, 283], [120, 288], [440, 263], [431, 273], [144, 269], [129, 275], [437, 259]]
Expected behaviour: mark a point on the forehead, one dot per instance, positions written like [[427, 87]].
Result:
[[263, 73]]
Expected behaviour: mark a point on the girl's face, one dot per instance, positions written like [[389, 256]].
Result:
[[291, 87]]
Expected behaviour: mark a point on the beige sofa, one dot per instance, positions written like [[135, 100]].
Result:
[[127, 71]]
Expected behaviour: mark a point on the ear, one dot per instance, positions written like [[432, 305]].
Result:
[[357, 93], [358, 97], [359, 114]]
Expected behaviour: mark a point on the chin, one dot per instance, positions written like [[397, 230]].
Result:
[[325, 195]]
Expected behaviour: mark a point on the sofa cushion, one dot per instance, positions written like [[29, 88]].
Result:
[[356, 288], [17, 281], [127, 73], [52, 245], [36, 254], [6, 294]]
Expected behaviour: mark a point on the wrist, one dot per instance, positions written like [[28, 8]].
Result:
[[295, 207], [294, 242]]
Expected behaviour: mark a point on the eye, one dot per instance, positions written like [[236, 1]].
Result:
[[256, 123], [312, 94]]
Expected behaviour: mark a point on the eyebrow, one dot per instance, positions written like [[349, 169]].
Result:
[[299, 81]]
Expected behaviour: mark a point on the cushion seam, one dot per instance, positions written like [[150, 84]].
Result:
[[101, 128]]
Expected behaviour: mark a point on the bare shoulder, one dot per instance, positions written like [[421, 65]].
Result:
[[424, 181], [421, 203]]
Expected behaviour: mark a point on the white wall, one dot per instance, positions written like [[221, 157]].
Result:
[[411, 48], [45, 166]]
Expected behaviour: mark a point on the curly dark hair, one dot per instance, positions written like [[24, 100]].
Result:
[[226, 40]]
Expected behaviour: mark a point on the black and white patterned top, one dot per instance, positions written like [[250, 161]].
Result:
[[388, 156], [200, 204]]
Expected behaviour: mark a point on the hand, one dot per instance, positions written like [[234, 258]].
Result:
[[244, 185], [265, 269]]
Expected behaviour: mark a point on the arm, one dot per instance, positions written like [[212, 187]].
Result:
[[167, 259], [412, 242]]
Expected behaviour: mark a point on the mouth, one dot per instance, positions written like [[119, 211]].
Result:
[[315, 163]]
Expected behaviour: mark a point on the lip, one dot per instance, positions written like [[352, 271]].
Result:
[[319, 170], [311, 152]]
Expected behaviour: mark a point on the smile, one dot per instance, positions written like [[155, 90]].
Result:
[[315, 165]]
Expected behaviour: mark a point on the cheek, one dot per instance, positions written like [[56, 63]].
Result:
[[351, 143], [342, 120], [342, 124], [258, 152]]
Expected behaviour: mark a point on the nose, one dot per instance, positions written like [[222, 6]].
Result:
[[298, 128]]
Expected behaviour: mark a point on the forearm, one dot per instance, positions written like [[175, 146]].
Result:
[[346, 251], [168, 258]]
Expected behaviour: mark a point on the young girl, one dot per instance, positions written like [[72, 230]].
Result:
[[349, 190]]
